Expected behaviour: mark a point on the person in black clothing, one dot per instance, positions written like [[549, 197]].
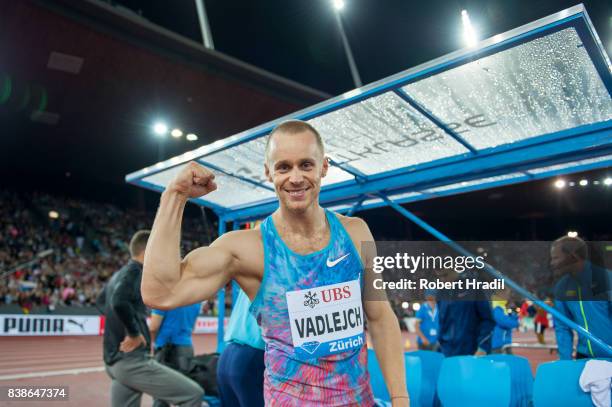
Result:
[[127, 341], [465, 319]]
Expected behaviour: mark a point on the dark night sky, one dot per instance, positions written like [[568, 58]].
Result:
[[298, 39]]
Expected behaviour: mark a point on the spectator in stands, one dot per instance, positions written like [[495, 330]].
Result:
[[427, 323], [171, 334], [505, 322], [127, 341], [582, 295], [77, 265]]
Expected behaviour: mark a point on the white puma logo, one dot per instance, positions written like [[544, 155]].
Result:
[[332, 263]]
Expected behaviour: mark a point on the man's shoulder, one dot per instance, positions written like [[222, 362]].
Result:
[[244, 236], [353, 224]]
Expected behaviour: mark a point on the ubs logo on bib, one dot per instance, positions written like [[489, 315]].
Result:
[[336, 294]]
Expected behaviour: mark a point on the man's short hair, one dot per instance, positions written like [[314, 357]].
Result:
[[139, 242], [572, 246], [294, 127]]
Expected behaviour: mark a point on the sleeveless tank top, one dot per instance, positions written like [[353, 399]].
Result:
[[310, 311]]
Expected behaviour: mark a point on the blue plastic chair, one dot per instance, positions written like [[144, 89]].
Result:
[[212, 401], [474, 381], [422, 370], [556, 384], [377, 381], [414, 379], [521, 379], [422, 380]]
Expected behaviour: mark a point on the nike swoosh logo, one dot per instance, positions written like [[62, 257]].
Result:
[[332, 263]]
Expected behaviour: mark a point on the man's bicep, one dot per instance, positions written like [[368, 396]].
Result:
[[203, 272], [207, 262]]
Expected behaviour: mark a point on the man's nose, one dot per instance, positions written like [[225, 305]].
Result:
[[296, 176]]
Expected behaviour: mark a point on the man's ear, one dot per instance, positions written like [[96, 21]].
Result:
[[325, 167], [267, 172]]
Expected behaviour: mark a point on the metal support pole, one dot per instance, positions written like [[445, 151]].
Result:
[[204, 26], [496, 274], [348, 52], [356, 206], [221, 301]]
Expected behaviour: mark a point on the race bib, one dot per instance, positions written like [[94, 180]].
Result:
[[326, 320]]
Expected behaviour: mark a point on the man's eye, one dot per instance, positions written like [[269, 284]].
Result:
[[307, 165]]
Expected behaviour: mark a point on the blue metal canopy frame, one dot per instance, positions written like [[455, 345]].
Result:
[[568, 150]]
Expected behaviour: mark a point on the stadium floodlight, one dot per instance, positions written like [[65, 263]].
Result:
[[191, 137], [469, 34], [176, 133], [53, 214], [572, 233], [584, 182], [405, 305], [338, 4], [607, 181], [560, 184], [160, 128], [416, 306]]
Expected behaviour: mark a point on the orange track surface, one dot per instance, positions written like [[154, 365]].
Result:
[[77, 362]]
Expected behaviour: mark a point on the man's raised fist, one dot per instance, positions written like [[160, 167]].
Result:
[[193, 181]]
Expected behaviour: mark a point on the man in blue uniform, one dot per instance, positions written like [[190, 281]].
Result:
[[582, 295], [427, 325], [171, 333]]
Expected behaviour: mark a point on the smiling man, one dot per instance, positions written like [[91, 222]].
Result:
[[303, 271]]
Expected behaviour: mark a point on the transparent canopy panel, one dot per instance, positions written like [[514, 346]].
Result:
[[571, 164], [231, 191], [383, 133], [396, 197], [247, 160], [533, 81], [543, 86], [471, 183]]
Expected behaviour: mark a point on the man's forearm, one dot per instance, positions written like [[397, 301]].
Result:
[[387, 340], [417, 329], [162, 257]]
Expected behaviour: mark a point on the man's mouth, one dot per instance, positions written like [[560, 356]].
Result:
[[297, 193]]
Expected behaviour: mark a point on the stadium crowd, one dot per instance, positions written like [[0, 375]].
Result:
[[88, 243]]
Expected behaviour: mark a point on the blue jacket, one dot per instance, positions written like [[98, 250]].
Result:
[[177, 326], [504, 324], [594, 316], [465, 326]]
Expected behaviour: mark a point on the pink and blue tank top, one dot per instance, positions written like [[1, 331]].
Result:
[[310, 311]]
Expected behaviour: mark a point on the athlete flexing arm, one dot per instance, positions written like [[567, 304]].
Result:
[[169, 281], [382, 322]]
